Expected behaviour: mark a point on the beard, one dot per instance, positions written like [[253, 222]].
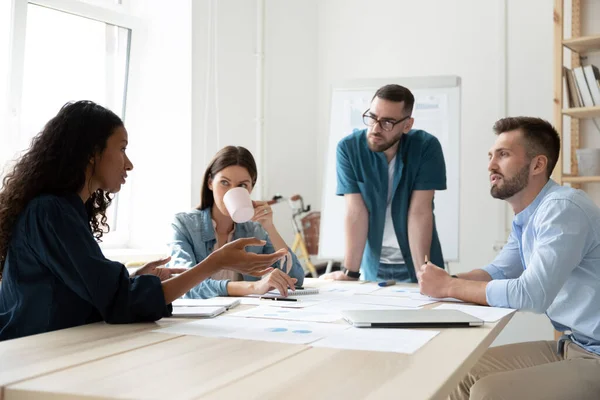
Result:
[[383, 146], [511, 186]]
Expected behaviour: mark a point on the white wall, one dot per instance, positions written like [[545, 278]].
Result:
[[159, 120], [289, 94], [5, 14]]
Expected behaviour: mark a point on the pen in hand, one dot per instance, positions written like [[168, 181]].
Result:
[[426, 259]]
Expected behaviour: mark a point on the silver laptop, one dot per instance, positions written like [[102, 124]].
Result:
[[430, 318]]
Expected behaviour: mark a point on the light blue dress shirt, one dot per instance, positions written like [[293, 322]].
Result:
[[551, 263], [193, 239]]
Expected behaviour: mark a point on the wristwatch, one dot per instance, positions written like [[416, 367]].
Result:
[[350, 274]]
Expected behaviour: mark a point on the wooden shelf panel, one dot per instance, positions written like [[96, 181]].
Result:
[[580, 179], [583, 112], [583, 44]]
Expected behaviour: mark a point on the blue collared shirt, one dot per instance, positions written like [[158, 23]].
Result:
[[551, 263], [193, 239], [419, 166]]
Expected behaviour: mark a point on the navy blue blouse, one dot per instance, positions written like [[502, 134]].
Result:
[[55, 275]]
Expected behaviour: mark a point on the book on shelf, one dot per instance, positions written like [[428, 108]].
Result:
[[592, 76], [582, 86]]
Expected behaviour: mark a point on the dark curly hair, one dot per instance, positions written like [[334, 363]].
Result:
[[56, 163]]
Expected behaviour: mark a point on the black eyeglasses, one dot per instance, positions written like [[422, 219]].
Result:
[[386, 124]]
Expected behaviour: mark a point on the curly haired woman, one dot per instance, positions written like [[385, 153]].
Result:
[[52, 213]]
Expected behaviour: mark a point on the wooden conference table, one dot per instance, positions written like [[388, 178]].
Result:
[[130, 361]]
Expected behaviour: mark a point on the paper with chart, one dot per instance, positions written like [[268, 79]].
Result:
[[411, 293], [488, 314], [290, 314], [257, 329], [372, 339]]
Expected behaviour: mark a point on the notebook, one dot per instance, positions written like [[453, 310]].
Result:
[[197, 312], [410, 318], [297, 292], [226, 302]]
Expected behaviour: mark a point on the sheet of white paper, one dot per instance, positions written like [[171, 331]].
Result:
[[488, 314], [257, 329], [227, 302], [386, 340], [409, 292], [302, 314], [339, 290], [301, 303], [337, 306], [348, 289], [387, 301], [396, 291]]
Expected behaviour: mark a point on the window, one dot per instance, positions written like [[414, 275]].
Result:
[[68, 51]]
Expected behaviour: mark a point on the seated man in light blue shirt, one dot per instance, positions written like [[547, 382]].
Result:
[[551, 264]]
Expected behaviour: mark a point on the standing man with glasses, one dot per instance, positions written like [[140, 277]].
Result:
[[388, 175]]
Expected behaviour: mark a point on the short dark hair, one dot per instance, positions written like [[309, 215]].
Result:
[[397, 94], [226, 157], [540, 137]]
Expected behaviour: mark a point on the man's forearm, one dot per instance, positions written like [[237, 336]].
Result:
[[475, 275], [468, 291], [355, 231], [420, 231]]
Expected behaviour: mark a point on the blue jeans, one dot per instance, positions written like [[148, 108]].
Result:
[[397, 272]]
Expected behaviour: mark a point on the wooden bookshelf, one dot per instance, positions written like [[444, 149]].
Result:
[[582, 112], [583, 44], [580, 179]]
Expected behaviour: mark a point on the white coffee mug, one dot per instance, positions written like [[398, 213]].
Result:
[[239, 204]]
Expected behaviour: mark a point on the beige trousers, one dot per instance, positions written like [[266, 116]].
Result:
[[532, 370]]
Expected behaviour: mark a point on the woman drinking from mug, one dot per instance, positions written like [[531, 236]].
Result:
[[199, 232]]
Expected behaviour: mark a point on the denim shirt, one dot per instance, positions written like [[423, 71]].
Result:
[[551, 263], [193, 239]]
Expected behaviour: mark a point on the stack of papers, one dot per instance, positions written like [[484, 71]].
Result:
[[227, 302], [197, 312]]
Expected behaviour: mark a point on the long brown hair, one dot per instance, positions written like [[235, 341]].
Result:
[[56, 163], [226, 157]]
